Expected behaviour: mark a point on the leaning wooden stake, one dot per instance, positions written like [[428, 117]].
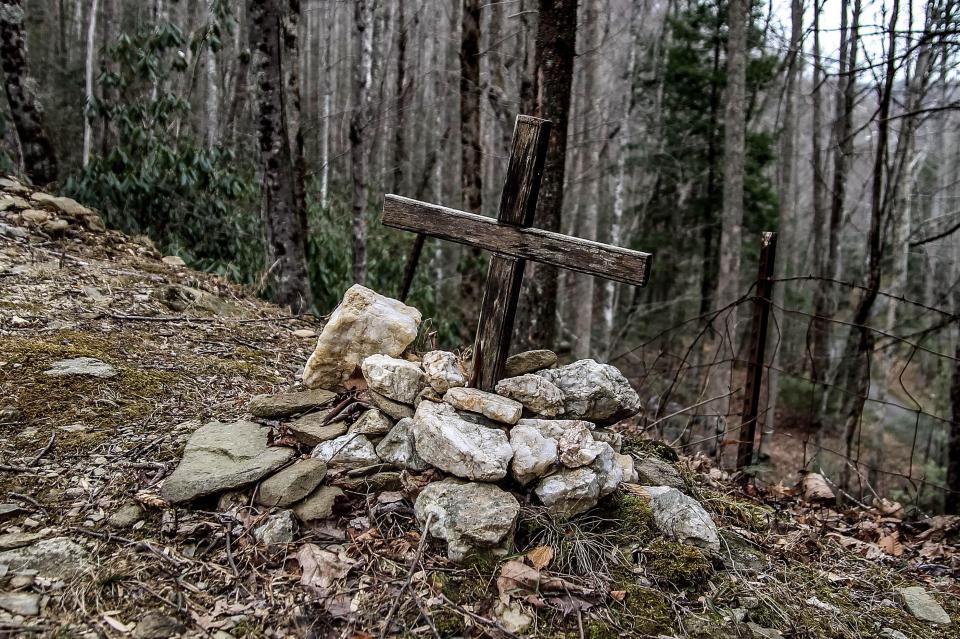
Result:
[[758, 346]]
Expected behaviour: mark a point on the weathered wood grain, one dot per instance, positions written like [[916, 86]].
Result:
[[492, 345], [610, 262], [518, 202]]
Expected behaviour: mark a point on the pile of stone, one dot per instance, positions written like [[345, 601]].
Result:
[[541, 436]]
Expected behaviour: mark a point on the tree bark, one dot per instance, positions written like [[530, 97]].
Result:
[[593, 132], [554, 54], [362, 79], [283, 208], [471, 156], [88, 81], [39, 158]]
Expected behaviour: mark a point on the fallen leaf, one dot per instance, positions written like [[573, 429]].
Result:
[[540, 557], [815, 488], [516, 575], [618, 595], [321, 568], [890, 544]]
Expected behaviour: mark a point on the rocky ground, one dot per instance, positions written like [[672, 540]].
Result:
[[112, 357]]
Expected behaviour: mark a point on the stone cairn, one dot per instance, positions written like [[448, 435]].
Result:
[[541, 432]]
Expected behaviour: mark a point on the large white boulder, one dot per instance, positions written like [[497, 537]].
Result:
[[593, 391], [452, 444], [366, 323], [467, 515], [394, 378]]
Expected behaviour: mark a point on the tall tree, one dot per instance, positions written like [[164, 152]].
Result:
[[362, 81], [282, 206], [734, 158], [39, 159], [471, 155], [554, 53]]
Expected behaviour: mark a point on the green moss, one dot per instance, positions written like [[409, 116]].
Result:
[[599, 629], [449, 622], [645, 611], [101, 405], [650, 447], [729, 509], [632, 518], [680, 564]]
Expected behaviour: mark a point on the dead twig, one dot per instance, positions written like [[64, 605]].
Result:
[[421, 547], [45, 450]]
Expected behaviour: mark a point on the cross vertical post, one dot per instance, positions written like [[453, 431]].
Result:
[[518, 203]]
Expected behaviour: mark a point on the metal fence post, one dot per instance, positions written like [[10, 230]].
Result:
[[758, 344]]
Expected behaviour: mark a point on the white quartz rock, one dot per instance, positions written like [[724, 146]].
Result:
[[352, 450], [443, 371], [593, 391], [499, 409], [452, 444], [394, 378], [578, 447], [534, 454], [365, 323], [535, 393], [569, 492]]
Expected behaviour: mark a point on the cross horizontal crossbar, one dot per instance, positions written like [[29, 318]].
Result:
[[573, 253]]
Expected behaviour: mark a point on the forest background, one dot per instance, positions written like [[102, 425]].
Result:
[[256, 139]]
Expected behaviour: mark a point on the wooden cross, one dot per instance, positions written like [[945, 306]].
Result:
[[513, 243]]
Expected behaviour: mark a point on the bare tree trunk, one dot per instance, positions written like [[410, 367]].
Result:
[[554, 54], [362, 79], [624, 138], [471, 166], [402, 105], [786, 191], [592, 127], [731, 221], [283, 208], [88, 81], [39, 158], [213, 88]]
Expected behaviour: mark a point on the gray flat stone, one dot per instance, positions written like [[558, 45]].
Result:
[[291, 484], [653, 471], [222, 456], [126, 516], [286, 404], [56, 558], [529, 362], [319, 505], [156, 625], [922, 606], [9, 541], [310, 429], [20, 603], [394, 409], [81, 366]]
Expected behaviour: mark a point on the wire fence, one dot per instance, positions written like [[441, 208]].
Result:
[[875, 422]]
